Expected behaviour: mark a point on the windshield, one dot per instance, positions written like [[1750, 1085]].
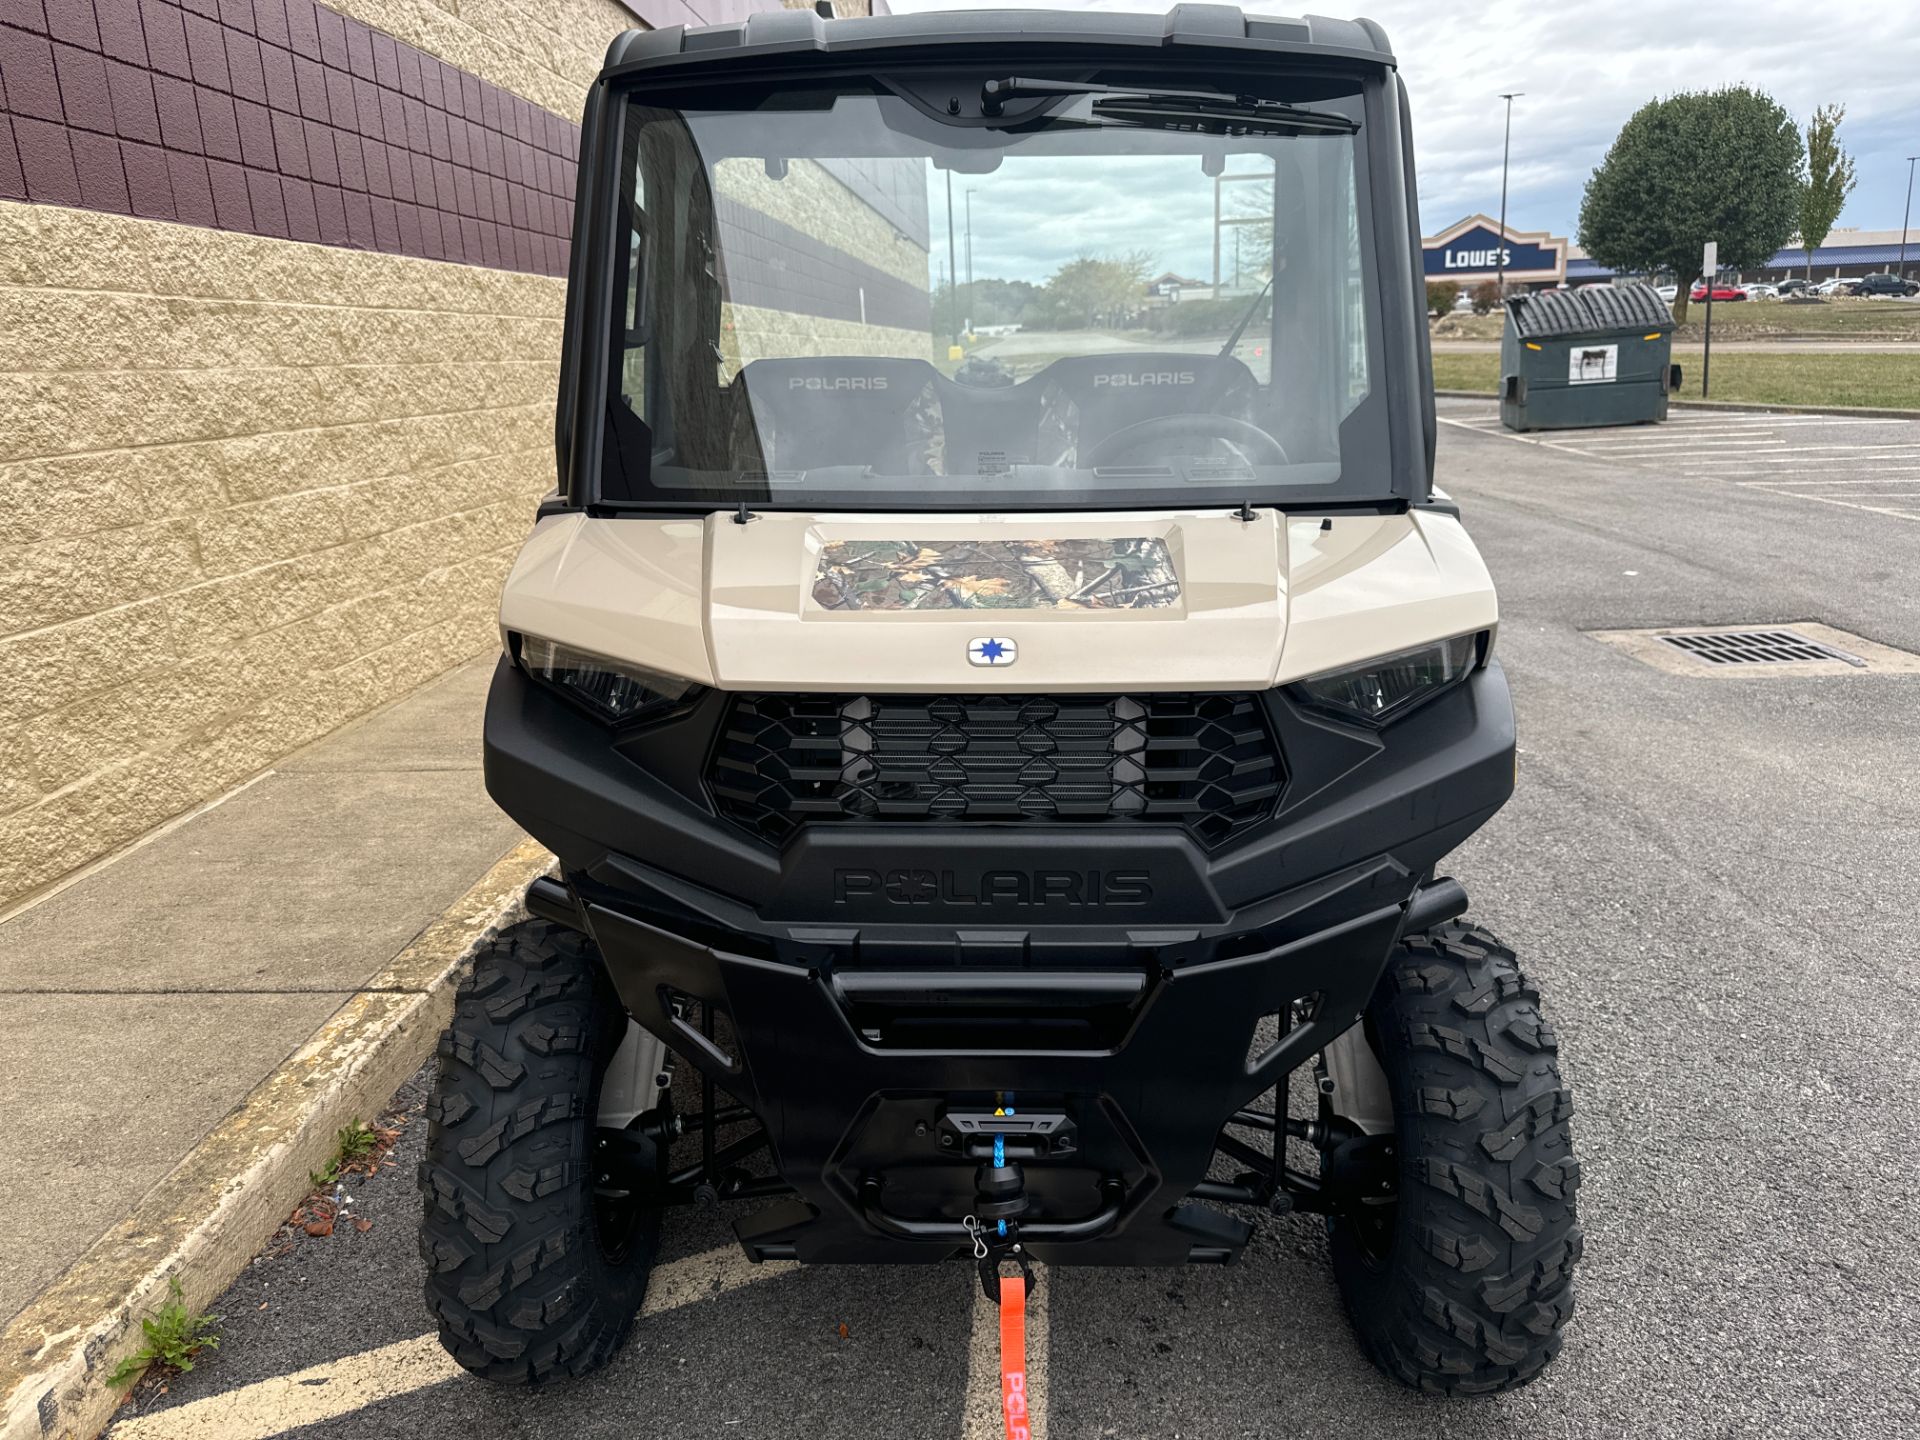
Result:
[[841, 299]]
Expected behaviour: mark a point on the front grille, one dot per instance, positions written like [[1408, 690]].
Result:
[[1206, 762]]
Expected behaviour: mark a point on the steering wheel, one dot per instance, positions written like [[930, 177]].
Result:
[[1258, 447]]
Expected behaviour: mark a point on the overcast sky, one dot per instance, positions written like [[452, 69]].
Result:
[[1585, 69]]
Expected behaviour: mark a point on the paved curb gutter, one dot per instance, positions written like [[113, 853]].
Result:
[[204, 1221], [1859, 412]]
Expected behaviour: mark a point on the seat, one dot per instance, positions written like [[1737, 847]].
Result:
[[809, 413], [1086, 398]]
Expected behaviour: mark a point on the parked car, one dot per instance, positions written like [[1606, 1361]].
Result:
[[1759, 291], [1722, 290], [1835, 286], [1668, 293], [1884, 285], [1793, 287]]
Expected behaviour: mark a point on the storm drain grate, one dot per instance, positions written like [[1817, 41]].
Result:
[[1796, 650], [1757, 647]]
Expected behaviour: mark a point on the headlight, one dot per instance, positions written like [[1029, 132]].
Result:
[[1387, 688], [612, 689]]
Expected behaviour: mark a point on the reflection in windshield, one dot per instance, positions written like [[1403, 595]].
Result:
[[1060, 257], [895, 313]]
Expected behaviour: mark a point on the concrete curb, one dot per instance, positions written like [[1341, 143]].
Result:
[[1859, 412], [1862, 412], [205, 1220]]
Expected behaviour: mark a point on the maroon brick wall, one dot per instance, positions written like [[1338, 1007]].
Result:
[[279, 118]]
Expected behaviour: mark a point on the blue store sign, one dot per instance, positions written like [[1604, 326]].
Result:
[[1471, 250]]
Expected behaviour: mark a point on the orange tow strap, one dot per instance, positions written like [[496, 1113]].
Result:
[[1013, 1356]]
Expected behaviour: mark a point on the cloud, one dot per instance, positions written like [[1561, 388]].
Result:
[[1584, 72]]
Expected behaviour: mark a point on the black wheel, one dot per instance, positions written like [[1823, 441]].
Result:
[[531, 1274], [1462, 1285]]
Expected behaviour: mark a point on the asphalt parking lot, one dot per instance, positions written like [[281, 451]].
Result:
[[1859, 463], [1711, 876]]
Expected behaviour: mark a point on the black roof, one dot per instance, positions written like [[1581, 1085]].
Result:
[[774, 34], [1590, 310]]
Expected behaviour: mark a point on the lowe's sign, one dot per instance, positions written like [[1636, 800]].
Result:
[[1472, 250]]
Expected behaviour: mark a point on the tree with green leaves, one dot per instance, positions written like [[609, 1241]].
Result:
[[1246, 237], [1722, 165], [985, 301], [1089, 291], [1830, 179]]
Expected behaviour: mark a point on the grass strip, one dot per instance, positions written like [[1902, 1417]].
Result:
[[1878, 379]]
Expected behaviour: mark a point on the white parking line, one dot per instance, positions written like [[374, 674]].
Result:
[[340, 1387], [1855, 496], [1504, 434], [1796, 480], [1777, 462], [1695, 437], [1832, 452], [1696, 447], [1894, 511], [320, 1392], [1682, 452], [1825, 452], [1792, 457], [703, 1276]]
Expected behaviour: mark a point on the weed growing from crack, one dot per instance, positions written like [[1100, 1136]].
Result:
[[174, 1335]]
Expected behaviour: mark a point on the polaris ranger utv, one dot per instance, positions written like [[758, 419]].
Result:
[[999, 737]]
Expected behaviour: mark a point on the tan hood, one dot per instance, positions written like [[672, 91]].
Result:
[[1087, 602]]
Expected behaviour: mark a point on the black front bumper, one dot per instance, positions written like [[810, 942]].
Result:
[[881, 983]]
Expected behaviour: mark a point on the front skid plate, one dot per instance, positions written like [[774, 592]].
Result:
[[1149, 1103]]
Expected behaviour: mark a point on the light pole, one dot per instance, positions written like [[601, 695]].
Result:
[[969, 247], [1216, 237], [953, 271], [1905, 216], [1506, 150]]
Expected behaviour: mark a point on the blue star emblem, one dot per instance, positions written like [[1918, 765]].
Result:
[[992, 650]]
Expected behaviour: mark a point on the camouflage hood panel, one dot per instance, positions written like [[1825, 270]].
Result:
[[1130, 573]]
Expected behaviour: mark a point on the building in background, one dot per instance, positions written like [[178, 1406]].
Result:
[[280, 294], [1468, 251], [1848, 253]]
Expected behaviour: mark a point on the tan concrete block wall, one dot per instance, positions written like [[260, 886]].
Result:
[[812, 201], [545, 50], [249, 489], [752, 332]]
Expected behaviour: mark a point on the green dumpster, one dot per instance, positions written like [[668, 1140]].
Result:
[[1599, 355]]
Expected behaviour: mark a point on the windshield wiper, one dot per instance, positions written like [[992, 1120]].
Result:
[[1160, 106], [1246, 317]]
